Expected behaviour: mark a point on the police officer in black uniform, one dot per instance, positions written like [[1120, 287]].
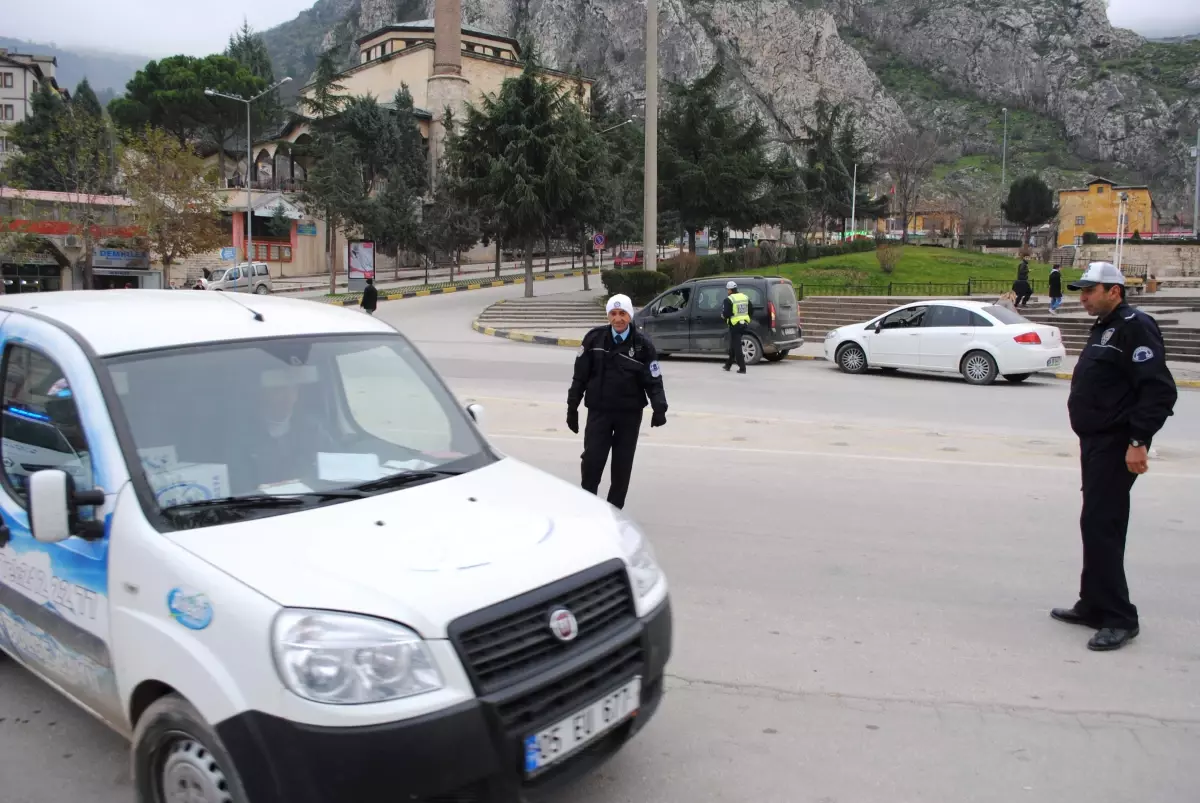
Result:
[[616, 371], [1121, 395]]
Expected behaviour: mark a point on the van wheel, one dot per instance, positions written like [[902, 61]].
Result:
[[852, 359], [979, 368], [177, 756], [777, 356], [751, 350], [261, 290]]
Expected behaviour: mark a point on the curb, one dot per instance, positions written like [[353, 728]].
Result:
[[347, 300], [574, 343]]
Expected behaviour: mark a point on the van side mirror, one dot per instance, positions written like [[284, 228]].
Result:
[[476, 411], [54, 507]]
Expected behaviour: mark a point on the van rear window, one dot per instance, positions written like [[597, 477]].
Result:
[[783, 295]]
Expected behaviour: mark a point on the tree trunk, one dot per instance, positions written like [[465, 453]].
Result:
[[691, 235], [497, 257], [547, 270], [586, 287], [529, 268]]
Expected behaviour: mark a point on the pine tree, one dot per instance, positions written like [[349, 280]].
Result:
[[85, 101], [33, 167], [1030, 203], [247, 48]]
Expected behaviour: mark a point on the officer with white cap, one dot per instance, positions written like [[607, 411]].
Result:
[[1122, 393], [616, 372], [736, 311]]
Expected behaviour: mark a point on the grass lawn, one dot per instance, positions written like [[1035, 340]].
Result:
[[917, 264]]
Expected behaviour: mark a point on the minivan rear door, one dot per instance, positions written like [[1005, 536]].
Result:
[[787, 312]]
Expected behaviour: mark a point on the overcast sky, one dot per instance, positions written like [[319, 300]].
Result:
[[158, 28]]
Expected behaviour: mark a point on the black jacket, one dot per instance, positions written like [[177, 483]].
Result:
[[612, 377], [1055, 284], [1121, 383], [1023, 272], [370, 298]]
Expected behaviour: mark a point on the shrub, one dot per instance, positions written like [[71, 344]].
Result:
[[1136, 238], [1090, 238], [771, 253], [751, 258], [888, 257], [681, 268], [640, 285]]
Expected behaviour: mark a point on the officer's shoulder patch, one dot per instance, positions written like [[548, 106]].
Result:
[[1143, 354], [1107, 336], [655, 369]]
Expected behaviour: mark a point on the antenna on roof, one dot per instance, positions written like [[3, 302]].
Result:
[[257, 315]]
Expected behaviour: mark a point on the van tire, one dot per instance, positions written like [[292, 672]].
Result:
[[261, 290], [751, 344], [172, 737]]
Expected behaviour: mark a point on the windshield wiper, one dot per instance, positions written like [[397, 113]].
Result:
[[264, 501], [406, 478]]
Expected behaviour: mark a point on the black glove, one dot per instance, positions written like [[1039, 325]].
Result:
[[659, 418], [573, 419]]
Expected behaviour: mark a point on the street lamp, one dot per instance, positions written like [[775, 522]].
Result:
[[650, 171], [618, 125], [212, 93], [1004, 159], [1122, 219]]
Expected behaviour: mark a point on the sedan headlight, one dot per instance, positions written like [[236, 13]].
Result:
[[831, 334], [345, 659], [643, 567]]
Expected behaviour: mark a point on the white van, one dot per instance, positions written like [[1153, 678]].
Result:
[[240, 279], [266, 544]]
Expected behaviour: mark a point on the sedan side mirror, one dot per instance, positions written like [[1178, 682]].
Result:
[[54, 507], [878, 327], [476, 411]]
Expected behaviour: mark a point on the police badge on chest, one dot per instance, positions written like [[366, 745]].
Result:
[[1107, 336]]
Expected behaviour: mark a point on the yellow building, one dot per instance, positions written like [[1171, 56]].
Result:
[[1094, 209]]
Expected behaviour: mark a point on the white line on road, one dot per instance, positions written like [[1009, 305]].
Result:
[[802, 453]]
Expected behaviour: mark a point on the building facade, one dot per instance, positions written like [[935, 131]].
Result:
[[1094, 210], [21, 75]]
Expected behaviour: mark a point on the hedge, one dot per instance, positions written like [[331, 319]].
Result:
[[640, 285], [689, 266]]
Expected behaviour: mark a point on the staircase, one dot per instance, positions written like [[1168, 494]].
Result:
[[549, 312], [818, 315]]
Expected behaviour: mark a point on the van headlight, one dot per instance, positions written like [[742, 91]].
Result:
[[343, 659], [643, 566]]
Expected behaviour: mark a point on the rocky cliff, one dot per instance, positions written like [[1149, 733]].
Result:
[[1101, 96]]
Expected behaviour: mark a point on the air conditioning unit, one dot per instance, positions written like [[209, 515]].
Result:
[[74, 241]]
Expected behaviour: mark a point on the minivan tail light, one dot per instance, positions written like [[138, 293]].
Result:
[[1030, 338], [771, 309]]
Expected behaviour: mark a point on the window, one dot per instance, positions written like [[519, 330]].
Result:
[[906, 318], [1080, 221], [3, 145], [1005, 315], [273, 252], [943, 315], [40, 423], [8, 112], [6, 80], [1100, 189], [674, 301]]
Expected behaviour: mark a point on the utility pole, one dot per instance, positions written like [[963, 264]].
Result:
[[650, 180], [1004, 165], [1121, 214], [1196, 190], [853, 203]]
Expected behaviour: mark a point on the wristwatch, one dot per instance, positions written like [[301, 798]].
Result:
[[1135, 443]]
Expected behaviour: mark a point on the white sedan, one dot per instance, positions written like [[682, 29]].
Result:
[[974, 338]]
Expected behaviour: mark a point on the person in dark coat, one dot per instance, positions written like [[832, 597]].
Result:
[[1021, 286], [1056, 293], [370, 298]]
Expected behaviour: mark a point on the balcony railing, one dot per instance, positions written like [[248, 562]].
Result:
[[266, 184]]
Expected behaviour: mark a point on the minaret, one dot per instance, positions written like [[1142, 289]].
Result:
[[446, 87]]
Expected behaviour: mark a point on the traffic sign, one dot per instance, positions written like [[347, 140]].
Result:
[[228, 254], [598, 240]]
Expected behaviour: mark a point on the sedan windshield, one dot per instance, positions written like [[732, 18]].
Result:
[[316, 419]]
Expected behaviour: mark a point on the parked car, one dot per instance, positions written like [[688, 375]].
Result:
[[629, 259], [687, 318], [305, 595], [235, 279], [974, 338]]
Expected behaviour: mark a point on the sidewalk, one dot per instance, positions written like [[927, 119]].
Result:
[[1187, 374], [314, 286]]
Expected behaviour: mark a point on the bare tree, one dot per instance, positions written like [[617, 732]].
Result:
[[909, 159], [976, 210]]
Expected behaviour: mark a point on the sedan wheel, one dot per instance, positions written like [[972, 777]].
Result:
[[852, 359], [979, 368]]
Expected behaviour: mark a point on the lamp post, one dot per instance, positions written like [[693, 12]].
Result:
[[618, 125], [1196, 190], [249, 171], [1122, 213], [1004, 163], [650, 172], [853, 203]]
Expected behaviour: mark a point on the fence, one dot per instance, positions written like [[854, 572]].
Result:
[[970, 287]]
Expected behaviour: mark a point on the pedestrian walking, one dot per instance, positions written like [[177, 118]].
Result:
[[616, 372], [370, 298], [1021, 286], [1121, 395], [736, 311], [1056, 295]]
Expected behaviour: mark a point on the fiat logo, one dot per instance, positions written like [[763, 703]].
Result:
[[563, 625]]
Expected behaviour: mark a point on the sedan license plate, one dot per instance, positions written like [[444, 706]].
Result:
[[563, 738], [1054, 362]]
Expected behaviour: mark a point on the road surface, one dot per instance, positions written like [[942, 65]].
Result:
[[862, 570]]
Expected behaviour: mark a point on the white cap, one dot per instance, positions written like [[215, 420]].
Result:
[[730, 285], [1098, 273], [621, 302]]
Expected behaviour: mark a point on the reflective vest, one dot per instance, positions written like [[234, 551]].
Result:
[[741, 309]]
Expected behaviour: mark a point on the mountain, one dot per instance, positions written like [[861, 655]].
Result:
[[108, 73], [1083, 97]]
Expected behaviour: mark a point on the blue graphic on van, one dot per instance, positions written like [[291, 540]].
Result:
[[190, 608]]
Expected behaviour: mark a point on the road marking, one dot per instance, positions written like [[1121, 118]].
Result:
[[805, 453]]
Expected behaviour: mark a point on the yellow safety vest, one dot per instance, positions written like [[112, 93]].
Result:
[[741, 309]]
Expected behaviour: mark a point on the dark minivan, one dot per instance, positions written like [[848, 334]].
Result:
[[687, 318]]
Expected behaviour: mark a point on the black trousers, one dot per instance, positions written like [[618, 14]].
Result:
[[616, 431], [735, 346], [1107, 481]]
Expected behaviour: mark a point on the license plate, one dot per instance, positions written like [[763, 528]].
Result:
[[563, 738], [789, 331], [1054, 362]]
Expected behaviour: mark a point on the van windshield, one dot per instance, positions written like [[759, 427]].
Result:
[[299, 417]]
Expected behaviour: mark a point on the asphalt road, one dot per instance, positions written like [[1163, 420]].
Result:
[[862, 569]]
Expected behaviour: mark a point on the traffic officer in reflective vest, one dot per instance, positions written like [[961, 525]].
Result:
[[1121, 395], [616, 371], [736, 312]]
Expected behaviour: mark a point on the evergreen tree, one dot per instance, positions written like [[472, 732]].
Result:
[[85, 101], [712, 166], [32, 167], [247, 48], [1030, 203]]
